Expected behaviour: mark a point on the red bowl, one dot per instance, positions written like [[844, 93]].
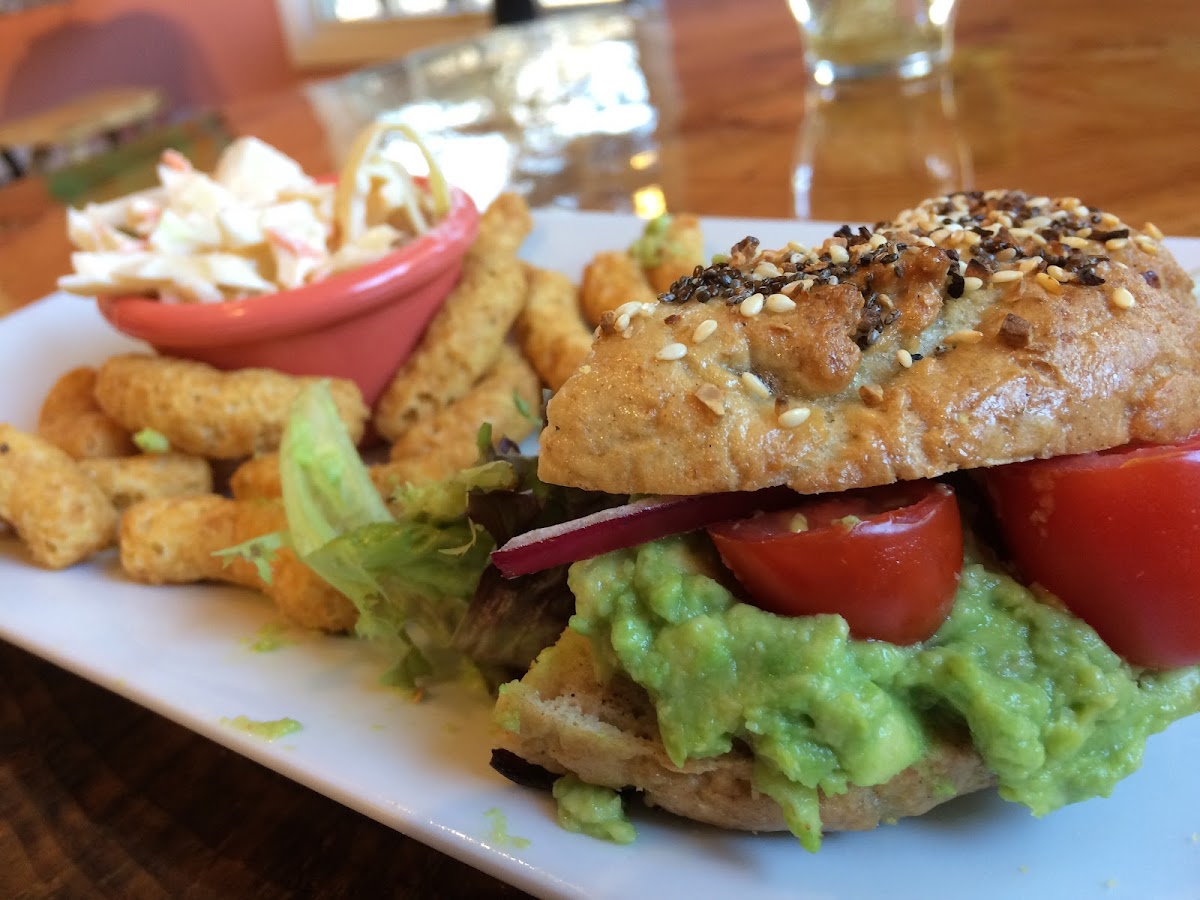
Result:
[[360, 324]]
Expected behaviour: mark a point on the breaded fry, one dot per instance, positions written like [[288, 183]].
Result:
[[130, 479], [553, 337], [171, 540], [257, 478], [60, 514], [682, 251], [612, 278], [464, 338], [73, 421], [207, 412], [444, 443]]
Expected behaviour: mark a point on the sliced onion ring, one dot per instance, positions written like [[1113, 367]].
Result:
[[629, 525]]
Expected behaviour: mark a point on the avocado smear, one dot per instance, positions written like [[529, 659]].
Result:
[[595, 811], [1053, 712]]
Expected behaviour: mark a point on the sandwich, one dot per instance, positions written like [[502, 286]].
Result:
[[904, 516]]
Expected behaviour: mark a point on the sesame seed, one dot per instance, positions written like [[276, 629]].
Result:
[[1116, 243], [965, 336], [1028, 265], [1153, 230], [1007, 254], [622, 323], [904, 358], [1085, 232], [1122, 298], [972, 284], [1039, 201], [1057, 273], [1020, 233], [838, 254], [876, 240], [672, 351], [925, 242], [940, 235], [1035, 222], [1049, 283], [1082, 211], [704, 331], [766, 270], [795, 416], [790, 288], [632, 308], [1146, 244], [752, 305], [780, 303], [1072, 240], [796, 247], [1108, 220], [1005, 275], [755, 385]]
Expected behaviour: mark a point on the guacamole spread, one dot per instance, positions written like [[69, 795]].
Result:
[[1055, 714], [592, 810]]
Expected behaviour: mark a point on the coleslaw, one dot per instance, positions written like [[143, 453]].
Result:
[[257, 225]]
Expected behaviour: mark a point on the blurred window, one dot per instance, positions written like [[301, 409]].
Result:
[[366, 10], [322, 34]]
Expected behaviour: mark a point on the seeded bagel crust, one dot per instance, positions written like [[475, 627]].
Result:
[[975, 330], [562, 718]]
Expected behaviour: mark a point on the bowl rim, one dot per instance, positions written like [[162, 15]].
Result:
[[340, 296]]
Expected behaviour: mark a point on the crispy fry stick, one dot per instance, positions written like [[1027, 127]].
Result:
[[464, 338], [257, 479], [60, 514], [552, 335], [683, 250], [612, 277], [73, 421], [130, 479], [444, 443], [206, 412], [171, 540]]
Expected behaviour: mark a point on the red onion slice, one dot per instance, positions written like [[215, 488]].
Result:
[[629, 525]]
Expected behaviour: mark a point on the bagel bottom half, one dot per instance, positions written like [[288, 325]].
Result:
[[562, 718]]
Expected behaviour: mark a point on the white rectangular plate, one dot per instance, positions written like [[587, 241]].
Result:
[[423, 768]]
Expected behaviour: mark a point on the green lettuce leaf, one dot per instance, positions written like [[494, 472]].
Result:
[[410, 576]]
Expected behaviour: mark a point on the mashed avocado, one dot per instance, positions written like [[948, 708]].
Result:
[[1053, 712], [595, 811]]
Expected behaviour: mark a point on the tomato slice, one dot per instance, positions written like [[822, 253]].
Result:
[[886, 559], [1116, 536]]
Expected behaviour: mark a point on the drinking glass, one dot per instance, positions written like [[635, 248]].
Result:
[[852, 39]]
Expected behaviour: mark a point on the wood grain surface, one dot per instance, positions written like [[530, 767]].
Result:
[[101, 798]]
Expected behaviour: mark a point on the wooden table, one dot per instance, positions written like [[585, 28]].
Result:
[[705, 109]]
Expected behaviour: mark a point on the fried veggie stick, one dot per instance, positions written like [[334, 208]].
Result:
[[464, 338], [444, 443], [552, 335], [171, 540], [59, 513], [130, 479], [207, 412], [612, 278], [680, 251], [257, 479], [73, 421]]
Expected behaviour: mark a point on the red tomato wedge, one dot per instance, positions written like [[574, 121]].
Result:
[[1116, 536], [886, 559]]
